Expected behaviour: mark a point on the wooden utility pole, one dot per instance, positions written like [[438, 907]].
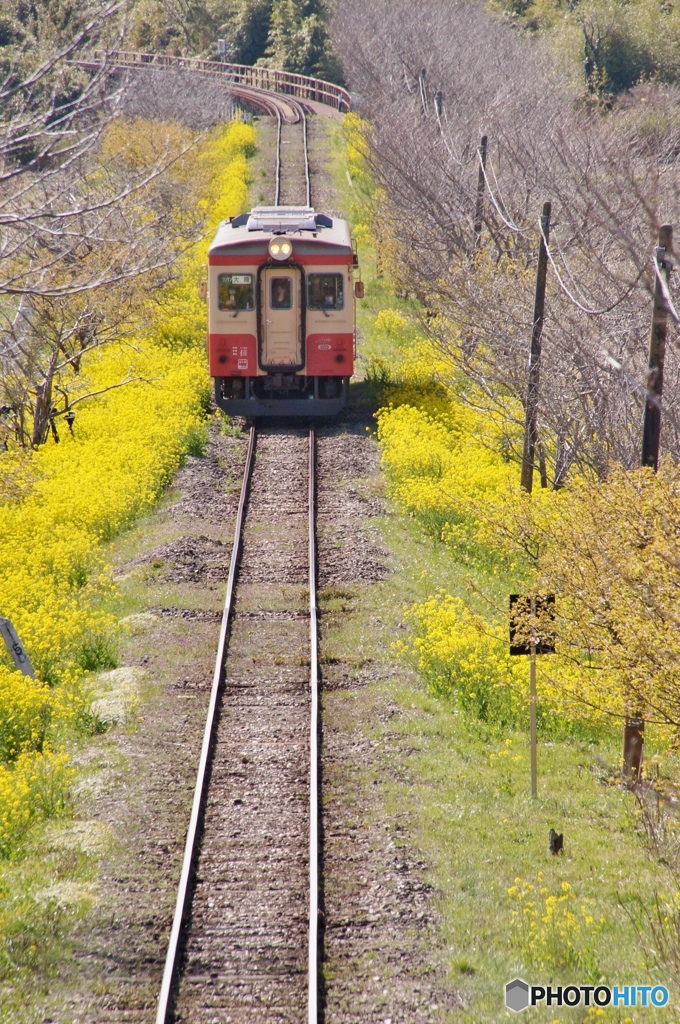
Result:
[[479, 207], [530, 431], [423, 90], [634, 729], [651, 430]]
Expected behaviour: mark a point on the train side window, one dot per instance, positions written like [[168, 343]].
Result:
[[325, 291], [281, 293], [235, 292]]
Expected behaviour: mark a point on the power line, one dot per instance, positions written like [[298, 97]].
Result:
[[638, 388], [664, 288], [569, 294], [508, 223], [498, 190]]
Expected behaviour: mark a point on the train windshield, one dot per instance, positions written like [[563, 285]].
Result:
[[324, 291], [281, 293], [235, 292]]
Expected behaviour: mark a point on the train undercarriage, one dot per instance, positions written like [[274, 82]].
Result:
[[281, 394]]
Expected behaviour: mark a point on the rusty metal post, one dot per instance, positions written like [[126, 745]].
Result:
[[531, 409]]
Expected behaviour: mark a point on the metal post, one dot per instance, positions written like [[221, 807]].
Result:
[[479, 208], [530, 431], [532, 703], [651, 430]]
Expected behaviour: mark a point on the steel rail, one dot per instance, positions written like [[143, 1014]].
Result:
[[167, 994], [277, 197], [302, 117], [313, 747], [267, 102], [306, 148]]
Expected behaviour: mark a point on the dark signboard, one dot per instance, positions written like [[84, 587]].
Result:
[[520, 611]]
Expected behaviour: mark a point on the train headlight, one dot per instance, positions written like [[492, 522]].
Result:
[[280, 249]]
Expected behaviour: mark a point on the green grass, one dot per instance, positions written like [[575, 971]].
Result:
[[466, 791], [43, 895]]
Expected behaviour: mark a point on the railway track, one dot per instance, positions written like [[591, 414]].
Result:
[[244, 939], [293, 179]]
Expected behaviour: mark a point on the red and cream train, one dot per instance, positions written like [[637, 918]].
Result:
[[281, 313]]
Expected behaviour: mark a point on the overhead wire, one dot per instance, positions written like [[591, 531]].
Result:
[[438, 113], [639, 389], [563, 286], [498, 190], [664, 288], [577, 288], [569, 294], [509, 224]]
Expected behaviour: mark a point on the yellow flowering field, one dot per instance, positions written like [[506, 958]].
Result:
[[555, 930], [60, 504], [440, 467], [460, 657], [223, 169], [608, 549]]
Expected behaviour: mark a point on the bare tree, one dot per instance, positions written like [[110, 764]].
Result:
[[612, 179], [91, 211], [177, 94]]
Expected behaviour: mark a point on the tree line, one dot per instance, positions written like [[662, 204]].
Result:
[[431, 82], [290, 35], [95, 204], [612, 46]]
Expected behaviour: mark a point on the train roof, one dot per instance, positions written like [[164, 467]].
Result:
[[263, 222]]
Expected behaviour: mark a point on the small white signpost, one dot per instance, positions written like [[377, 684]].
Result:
[[16, 648]]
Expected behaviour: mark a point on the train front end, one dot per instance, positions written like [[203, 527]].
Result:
[[281, 313]]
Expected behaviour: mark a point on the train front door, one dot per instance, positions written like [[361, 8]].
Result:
[[280, 318]]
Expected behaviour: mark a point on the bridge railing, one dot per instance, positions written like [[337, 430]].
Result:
[[301, 86]]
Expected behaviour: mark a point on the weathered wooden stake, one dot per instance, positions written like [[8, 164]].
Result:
[[633, 741], [651, 429], [479, 207], [530, 431]]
